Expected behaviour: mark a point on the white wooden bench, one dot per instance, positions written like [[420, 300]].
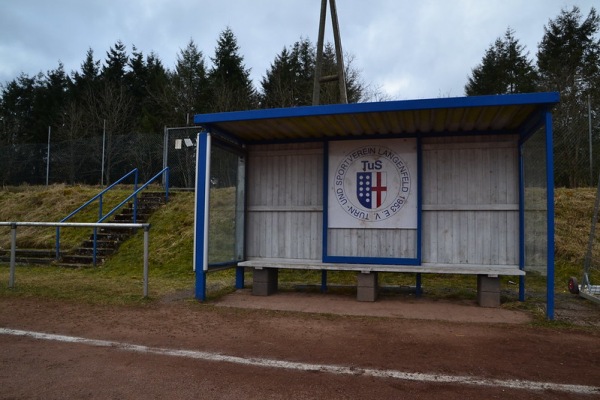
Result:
[[265, 275]]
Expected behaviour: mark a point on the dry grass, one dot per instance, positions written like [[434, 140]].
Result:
[[574, 210], [171, 247], [51, 204]]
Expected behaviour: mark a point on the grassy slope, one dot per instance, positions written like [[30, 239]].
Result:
[[171, 247]]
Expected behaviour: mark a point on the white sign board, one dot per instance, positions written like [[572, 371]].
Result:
[[373, 184]]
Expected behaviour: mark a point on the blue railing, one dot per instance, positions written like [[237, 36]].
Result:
[[90, 201], [133, 196]]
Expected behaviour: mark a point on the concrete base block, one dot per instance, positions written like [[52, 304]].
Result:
[[488, 291], [264, 281], [367, 287]]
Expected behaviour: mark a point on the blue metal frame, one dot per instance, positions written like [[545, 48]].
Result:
[[402, 105], [546, 122], [542, 116], [324, 249], [521, 222], [201, 217], [550, 217], [369, 260]]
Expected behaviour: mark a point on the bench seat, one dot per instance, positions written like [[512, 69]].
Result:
[[425, 268], [488, 284]]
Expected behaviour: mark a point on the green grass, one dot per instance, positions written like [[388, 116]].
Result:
[[120, 279]]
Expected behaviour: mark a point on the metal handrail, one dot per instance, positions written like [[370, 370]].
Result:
[[133, 171], [134, 196], [98, 196], [13, 241]]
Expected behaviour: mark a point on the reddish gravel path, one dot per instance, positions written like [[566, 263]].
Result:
[[511, 349]]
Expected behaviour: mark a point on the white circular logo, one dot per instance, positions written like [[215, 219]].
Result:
[[372, 183]]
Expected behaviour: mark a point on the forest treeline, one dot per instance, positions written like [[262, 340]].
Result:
[[128, 92]]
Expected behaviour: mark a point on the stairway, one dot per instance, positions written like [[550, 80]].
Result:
[[108, 240]]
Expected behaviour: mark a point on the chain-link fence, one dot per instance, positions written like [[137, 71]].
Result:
[[576, 145], [101, 160], [93, 161]]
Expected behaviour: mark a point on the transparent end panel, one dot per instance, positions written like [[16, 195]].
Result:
[[535, 210], [222, 207]]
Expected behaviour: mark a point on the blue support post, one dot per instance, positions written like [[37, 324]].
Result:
[[550, 217], [521, 222], [323, 281], [201, 213], [200, 284], [239, 278], [418, 288]]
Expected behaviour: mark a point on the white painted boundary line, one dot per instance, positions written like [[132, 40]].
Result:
[[296, 366]]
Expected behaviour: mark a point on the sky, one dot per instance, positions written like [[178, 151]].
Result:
[[405, 49]]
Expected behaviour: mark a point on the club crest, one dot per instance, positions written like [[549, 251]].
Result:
[[372, 183]]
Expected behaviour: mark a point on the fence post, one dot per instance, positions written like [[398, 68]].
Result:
[[48, 157], [165, 151], [146, 236], [13, 254]]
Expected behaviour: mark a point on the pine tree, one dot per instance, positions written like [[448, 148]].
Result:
[[115, 63], [569, 62], [277, 85], [155, 115], [230, 85], [505, 68], [288, 83], [290, 79], [190, 83]]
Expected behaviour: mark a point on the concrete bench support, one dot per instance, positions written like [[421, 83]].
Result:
[[264, 281], [488, 291], [367, 287], [488, 282]]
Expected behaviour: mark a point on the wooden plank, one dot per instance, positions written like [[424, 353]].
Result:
[[285, 208], [437, 268], [471, 207], [471, 142], [387, 243], [285, 200]]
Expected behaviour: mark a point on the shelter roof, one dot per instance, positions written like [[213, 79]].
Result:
[[497, 114]]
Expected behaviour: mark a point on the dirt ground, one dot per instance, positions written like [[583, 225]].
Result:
[[397, 333]]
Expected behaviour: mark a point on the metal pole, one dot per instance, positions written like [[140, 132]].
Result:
[[13, 255], [146, 235], [48, 157], [590, 136], [338, 53], [319, 61], [103, 144], [165, 151]]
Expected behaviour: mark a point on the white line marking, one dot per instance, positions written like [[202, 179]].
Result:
[[297, 366]]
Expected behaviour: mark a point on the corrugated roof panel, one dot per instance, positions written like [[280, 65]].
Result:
[[454, 119], [440, 120], [431, 116]]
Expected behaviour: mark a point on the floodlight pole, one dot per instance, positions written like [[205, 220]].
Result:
[[590, 140], [48, 157], [340, 77], [165, 151], [103, 144]]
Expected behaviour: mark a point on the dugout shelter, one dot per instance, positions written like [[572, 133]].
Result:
[[448, 185]]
